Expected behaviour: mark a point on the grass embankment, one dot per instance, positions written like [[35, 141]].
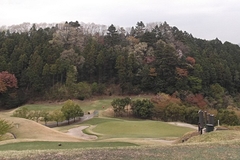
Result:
[[216, 136], [27, 130]]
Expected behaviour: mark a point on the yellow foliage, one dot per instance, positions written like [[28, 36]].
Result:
[[133, 40], [162, 100]]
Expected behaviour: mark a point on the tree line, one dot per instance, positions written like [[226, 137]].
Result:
[[165, 108], [71, 60], [68, 111]]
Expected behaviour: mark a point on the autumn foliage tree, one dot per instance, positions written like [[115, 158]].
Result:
[[8, 96], [7, 80], [196, 100], [191, 60]]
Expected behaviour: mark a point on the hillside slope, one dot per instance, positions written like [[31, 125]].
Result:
[[27, 130]]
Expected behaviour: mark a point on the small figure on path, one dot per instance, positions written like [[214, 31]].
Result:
[[199, 128]]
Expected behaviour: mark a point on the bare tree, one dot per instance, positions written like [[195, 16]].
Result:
[[68, 36]]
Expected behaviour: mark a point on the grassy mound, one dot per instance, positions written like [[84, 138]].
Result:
[[27, 130], [186, 137], [216, 136]]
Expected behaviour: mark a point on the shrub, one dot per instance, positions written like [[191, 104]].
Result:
[[83, 90], [58, 91], [227, 117], [4, 127], [142, 108], [57, 115], [22, 112], [175, 112], [191, 115]]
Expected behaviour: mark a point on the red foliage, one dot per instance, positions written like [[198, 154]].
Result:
[[7, 80], [196, 99], [149, 59], [191, 60]]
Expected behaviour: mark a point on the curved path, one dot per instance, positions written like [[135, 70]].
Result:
[[77, 132]]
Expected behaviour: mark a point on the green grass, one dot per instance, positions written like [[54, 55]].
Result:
[[96, 121], [86, 105], [117, 128], [100, 103], [45, 107], [42, 145], [95, 105]]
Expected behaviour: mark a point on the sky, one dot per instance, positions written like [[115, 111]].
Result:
[[205, 19]]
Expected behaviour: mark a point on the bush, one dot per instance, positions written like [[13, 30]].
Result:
[[12, 99], [58, 91], [98, 88], [22, 112], [142, 109], [227, 117], [81, 98], [175, 112], [4, 127], [83, 90], [191, 115]]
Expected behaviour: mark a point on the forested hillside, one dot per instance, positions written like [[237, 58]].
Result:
[[75, 60]]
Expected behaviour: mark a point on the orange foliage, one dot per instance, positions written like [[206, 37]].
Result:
[[152, 72], [191, 60], [162, 100], [182, 72], [3, 87]]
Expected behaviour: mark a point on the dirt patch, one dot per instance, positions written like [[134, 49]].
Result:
[[107, 112], [77, 132]]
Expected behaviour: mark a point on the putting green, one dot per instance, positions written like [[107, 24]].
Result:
[[116, 128]]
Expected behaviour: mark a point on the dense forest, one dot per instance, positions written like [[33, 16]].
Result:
[[73, 60]]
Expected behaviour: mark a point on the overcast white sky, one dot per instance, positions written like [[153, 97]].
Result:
[[206, 19]]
